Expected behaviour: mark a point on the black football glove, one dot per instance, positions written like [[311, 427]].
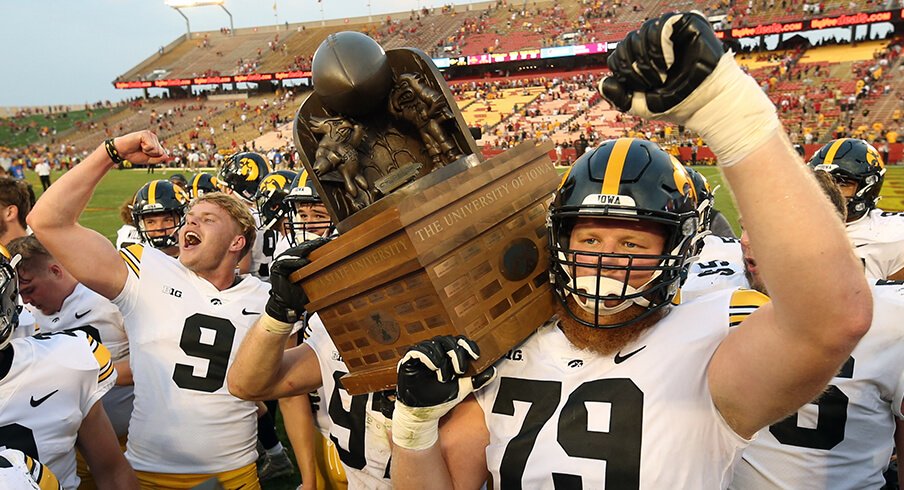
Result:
[[287, 299], [431, 384], [666, 59]]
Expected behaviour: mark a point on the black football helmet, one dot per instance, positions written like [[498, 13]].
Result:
[[202, 184], [179, 180], [158, 197], [302, 192], [704, 195], [850, 159], [624, 179], [242, 172], [270, 197], [9, 297]]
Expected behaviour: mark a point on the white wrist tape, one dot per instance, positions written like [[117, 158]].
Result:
[[417, 428], [728, 110], [275, 326]]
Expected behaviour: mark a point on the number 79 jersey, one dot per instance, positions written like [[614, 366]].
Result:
[[183, 335], [560, 417]]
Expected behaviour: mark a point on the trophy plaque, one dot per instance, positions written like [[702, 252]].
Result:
[[434, 240]]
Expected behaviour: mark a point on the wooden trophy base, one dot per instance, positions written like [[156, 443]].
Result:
[[462, 251]]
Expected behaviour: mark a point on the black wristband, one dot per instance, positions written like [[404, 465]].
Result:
[[112, 152]]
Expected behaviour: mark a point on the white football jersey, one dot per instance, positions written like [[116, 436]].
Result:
[[357, 424], [183, 336], [878, 239], [27, 325], [720, 248], [127, 235], [19, 471], [844, 439], [53, 382], [263, 251], [715, 275], [560, 417], [86, 310]]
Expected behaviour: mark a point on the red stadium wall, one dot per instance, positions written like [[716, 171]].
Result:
[[704, 154]]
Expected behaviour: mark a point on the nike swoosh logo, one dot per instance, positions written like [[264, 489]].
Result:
[[79, 315], [620, 358], [35, 403], [861, 245], [246, 312]]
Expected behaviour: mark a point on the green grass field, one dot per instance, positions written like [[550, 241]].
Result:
[[51, 121], [103, 215]]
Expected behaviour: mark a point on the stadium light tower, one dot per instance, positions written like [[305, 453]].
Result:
[[178, 5]]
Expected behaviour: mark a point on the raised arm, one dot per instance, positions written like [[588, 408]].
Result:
[[674, 68], [85, 253]]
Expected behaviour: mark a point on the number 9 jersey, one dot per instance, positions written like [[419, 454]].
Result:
[[183, 334]]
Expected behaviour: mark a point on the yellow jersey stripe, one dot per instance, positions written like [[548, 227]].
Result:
[[130, 263], [743, 303], [830, 155], [616, 165], [104, 361]]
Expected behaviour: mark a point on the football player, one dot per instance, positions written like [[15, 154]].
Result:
[[271, 210], [19, 471], [240, 176], [844, 438], [158, 211], [878, 236], [620, 384], [62, 303], [357, 425], [299, 215], [308, 218], [180, 180], [51, 386], [184, 319], [15, 204], [127, 234]]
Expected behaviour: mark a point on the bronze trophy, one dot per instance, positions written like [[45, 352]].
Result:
[[434, 240]]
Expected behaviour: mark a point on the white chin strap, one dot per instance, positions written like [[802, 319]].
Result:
[[305, 236], [607, 287]]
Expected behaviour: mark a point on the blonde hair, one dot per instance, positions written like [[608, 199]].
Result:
[[237, 210]]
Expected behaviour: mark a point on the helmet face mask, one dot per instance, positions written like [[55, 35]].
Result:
[[301, 203], [853, 160], [270, 197], [243, 173], [159, 201], [627, 183], [9, 297]]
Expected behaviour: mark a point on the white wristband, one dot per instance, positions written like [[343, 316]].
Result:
[[275, 326], [414, 428]]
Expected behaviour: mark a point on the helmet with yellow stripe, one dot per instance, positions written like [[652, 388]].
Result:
[[9, 297], [308, 218], [202, 184], [627, 183], [853, 161], [270, 197], [159, 199], [243, 172]]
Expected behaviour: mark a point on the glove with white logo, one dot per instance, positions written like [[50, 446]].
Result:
[[287, 299], [430, 385], [674, 68]]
